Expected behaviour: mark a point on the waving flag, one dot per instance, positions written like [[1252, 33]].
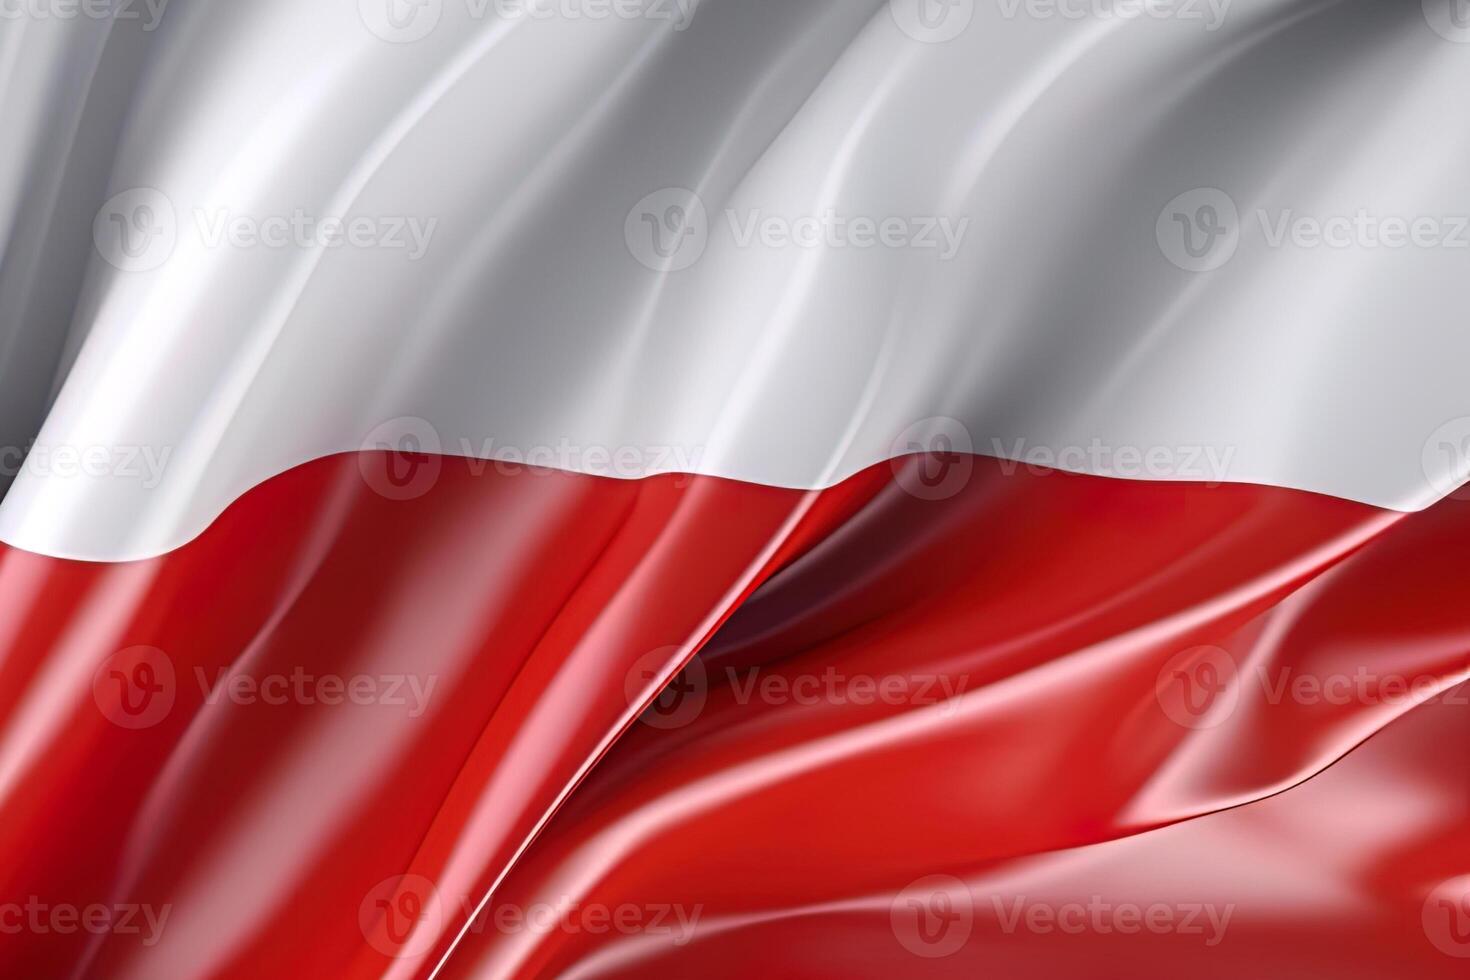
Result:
[[627, 488]]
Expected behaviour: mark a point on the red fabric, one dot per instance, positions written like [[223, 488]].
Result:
[[1084, 676]]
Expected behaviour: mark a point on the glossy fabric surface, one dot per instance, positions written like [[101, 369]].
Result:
[[1082, 674]]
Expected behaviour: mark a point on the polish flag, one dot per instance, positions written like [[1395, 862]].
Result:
[[647, 488]]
